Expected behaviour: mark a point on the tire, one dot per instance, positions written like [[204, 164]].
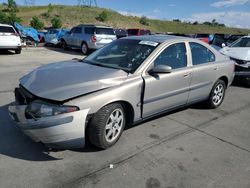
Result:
[[64, 45], [217, 94], [84, 48], [107, 125], [18, 51]]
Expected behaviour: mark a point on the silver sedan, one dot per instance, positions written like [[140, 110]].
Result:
[[125, 82]]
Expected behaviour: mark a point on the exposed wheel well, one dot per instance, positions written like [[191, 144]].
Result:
[[225, 79]]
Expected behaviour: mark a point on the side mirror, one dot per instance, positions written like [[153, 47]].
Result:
[[164, 69], [223, 45]]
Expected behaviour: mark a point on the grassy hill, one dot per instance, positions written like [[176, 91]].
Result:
[[73, 15]]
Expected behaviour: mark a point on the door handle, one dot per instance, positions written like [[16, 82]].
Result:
[[215, 68], [186, 75]]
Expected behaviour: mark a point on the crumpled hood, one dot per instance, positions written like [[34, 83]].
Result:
[[237, 53], [65, 80]]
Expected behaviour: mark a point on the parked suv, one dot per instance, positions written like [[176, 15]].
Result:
[[9, 38], [86, 37]]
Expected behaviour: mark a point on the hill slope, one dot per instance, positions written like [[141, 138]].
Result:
[[73, 15]]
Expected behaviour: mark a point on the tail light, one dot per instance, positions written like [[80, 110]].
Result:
[[93, 38], [15, 34]]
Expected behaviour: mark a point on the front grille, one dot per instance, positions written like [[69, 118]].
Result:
[[23, 97]]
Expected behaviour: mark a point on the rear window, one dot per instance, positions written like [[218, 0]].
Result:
[[133, 31], [4, 29], [105, 31]]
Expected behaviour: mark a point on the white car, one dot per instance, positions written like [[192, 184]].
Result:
[[239, 51], [10, 39]]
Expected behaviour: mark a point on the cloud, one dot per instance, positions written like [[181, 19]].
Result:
[[150, 14], [229, 3], [171, 5], [231, 18]]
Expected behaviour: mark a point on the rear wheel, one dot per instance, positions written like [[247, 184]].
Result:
[[18, 51], [106, 126], [217, 94], [84, 48], [64, 45]]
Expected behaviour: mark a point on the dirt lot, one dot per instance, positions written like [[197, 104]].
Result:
[[192, 147]]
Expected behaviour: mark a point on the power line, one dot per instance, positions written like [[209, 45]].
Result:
[[89, 3], [29, 2]]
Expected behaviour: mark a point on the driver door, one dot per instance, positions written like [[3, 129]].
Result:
[[168, 90]]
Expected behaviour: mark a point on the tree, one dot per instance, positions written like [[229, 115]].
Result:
[[195, 23], [176, 20], [11, 6], [103, 16], [12, 18], [144, 20], [56, 22], [9, 16], [3, 18], [36, 23]]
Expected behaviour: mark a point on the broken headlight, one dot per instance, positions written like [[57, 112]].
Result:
[[38, 109]]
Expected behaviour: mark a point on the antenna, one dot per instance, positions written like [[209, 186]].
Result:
[[29, 2], [88, 3]]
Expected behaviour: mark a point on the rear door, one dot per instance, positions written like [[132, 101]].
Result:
[[9, 37], [204, 72], [166, 91], [104, 35], [77, 37], [50, 36]]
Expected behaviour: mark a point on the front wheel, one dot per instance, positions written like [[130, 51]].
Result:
[[217, 94], [107, 125]]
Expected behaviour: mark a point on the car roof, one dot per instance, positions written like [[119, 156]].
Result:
[[6, 25], [92, 25], [156, 38]]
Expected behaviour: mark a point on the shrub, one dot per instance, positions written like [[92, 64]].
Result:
[[103, 16], [144, 20], [56, 22], [36, 23]]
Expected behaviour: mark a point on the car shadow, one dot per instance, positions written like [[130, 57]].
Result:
[[7, 52], [68, 51], [13, 143]]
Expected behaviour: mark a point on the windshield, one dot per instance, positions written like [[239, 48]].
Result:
[[242, 42], [123, 54]]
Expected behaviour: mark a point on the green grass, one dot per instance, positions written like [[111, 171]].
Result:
[[73, 15]]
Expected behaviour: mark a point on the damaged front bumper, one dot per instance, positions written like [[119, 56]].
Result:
[[61, 131]]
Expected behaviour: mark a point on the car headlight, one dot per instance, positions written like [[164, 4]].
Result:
[[38, 109]]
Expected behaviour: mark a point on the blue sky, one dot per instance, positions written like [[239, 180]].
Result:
[[230, 12]]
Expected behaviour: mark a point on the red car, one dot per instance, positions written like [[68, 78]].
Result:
[[203, 37], [138, 32]]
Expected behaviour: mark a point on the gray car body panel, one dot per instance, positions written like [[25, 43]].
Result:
[[65, 80], [91, 87]]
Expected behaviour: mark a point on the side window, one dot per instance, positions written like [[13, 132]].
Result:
[[200, 54], [173, 56], [89, 30], [77, 30]]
